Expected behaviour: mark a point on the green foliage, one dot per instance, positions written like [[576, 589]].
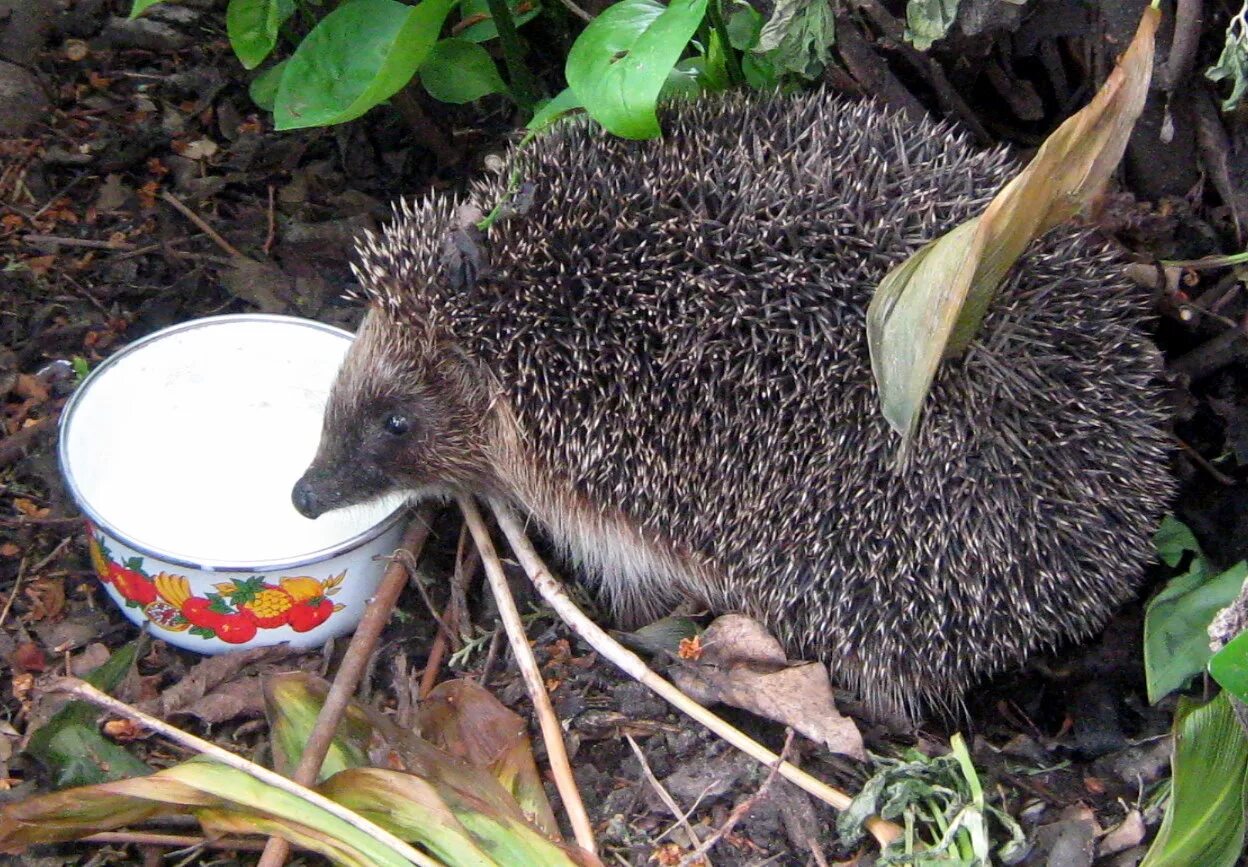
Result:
[[71, 746], [940, 801], [618, 65], [798, 37], [1229, 666], [359, 55], [253, 25], [459, 71], [1176, 622], [1232, 64], [629, 58], [1204, 822], [929, 20]]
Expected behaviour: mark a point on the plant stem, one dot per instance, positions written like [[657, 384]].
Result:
[[524, 86], [731, 61]]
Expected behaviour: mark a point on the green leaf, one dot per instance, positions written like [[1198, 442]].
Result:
[[1233, 62], [685, 80], [619, 63], [1204, 821], [81, 367], [139, 6], [1173, 539], [759, 72], [929, 20], [798, 36], [562, 103], [70, 744], [1176, 623], [252, 26], [485, 30], [744, 26], [458, 71], [1229, 666], [359, 55], [292, 702]]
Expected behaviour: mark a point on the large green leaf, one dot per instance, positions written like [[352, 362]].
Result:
[[1176, 624], [252, 26], [1204, 823], [458, 71], [359, 55], [621, 60]]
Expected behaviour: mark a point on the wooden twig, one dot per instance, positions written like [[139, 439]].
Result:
[[739, 811], [682, 817], [17, 586], [632, 665], [85, 691], [354, 661], [552, 732], [199, 221]]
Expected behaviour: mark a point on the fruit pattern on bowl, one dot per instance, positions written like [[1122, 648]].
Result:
[[235, 613]]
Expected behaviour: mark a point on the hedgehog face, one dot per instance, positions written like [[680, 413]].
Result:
[[400, 417]]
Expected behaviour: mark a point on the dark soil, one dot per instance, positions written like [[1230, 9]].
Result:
[[120, 131]]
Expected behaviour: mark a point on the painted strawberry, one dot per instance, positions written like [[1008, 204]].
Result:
[[133, 585], [306, 616], [202, 613], [235, 628]]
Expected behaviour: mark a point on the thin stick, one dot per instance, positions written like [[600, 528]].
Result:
[[354, 661], [739, 811], [17, 586], [85, 691], [632, 665], [201, 223], [682, 817], [552, 732]]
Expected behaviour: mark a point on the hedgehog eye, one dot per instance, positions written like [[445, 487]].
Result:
[[397, 424]]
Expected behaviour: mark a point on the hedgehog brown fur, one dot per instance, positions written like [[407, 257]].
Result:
[[665, 364]]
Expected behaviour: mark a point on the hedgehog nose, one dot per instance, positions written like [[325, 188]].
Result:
[[305, 500]]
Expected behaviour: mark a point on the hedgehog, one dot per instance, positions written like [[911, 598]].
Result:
[[662, 361]]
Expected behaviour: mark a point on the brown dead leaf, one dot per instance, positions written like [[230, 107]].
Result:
[[30, 508], [47, 599], [743, 665], [218, 688], [29, 656], [29, 387], [39, 265], [10, 551]]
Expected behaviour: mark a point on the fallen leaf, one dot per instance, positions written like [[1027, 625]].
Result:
[[47, 599], [29, 508], [29, 656], [743, 665], [931, 305], [1129, 833], [10, 550]]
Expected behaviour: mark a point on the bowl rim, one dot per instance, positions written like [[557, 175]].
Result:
[[101, 523]]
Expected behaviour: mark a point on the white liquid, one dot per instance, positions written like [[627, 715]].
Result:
[[190, 445]]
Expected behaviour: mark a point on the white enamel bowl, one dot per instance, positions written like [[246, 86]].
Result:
[[182, 449]]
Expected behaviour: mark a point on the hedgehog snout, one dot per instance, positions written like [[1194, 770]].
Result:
[[305, 499]]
